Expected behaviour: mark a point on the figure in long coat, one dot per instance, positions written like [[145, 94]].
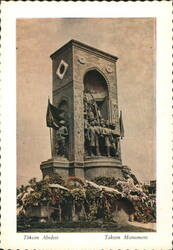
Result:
[[107, 136], [61, 137], [97, 135], [91, 135], [114, 140]]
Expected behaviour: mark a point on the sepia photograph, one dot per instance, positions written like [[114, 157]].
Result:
[[86, 124]]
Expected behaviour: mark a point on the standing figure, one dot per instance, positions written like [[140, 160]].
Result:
[[107, 136], [91, 110], [85, 102], [86, 133], [61, 136], [102, 137], [97, 135], [92, 139], [118, 146], [114, 140]]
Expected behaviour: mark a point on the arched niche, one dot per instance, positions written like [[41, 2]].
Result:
[[63, 110], [96, 84]]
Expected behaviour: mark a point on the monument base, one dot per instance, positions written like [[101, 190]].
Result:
[[88, 169], [63, 167], [102, 166]]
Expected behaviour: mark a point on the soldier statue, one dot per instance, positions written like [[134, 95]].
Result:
[[97, 135], [86, 133], [61, 138], [116, 141], [107, 137], [101, 138], [91, 135], [113, 139]]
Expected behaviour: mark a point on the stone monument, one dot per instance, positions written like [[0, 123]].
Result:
[[84, 117]]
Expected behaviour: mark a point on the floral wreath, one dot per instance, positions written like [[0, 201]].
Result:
[[72, 179]]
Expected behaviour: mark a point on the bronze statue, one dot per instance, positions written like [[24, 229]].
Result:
[[91, 133], [100, 135], [86, 133], [61, 138], [97, 135], [107, 133], [118, 146], [113, 140]]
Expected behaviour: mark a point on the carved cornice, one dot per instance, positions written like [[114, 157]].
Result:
[[87, 48]]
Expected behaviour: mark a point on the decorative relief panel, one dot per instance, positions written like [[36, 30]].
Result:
[[109, 69], [62, 68], [81, 59]]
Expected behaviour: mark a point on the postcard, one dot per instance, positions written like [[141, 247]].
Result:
[[86, 125]]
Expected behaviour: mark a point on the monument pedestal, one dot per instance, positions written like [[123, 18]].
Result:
[[55, 165], [63, 167], [102, 166], [91, 168]]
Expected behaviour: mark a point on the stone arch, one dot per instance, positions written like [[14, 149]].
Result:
[[96, 86], [63, 106], [99, 71]]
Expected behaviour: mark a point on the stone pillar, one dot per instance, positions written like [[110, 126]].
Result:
[[78, 139]]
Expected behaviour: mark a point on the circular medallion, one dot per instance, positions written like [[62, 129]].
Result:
[[81, 60], [109, 69]]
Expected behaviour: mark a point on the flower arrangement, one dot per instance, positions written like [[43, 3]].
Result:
[[95, 198]]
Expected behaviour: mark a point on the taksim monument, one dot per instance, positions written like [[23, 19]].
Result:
[[84, 120]]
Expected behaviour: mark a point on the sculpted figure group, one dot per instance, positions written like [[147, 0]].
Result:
[[100, 136]]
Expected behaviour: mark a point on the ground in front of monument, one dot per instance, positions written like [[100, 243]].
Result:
[[88, 227]]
